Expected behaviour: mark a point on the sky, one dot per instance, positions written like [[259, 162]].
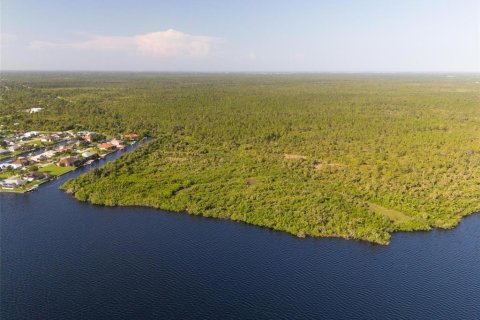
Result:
[[241, 36]]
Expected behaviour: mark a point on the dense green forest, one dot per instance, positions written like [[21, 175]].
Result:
[[353, 156]]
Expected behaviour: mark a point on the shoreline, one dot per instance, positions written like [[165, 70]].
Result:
[[433, 228], [467, 213]]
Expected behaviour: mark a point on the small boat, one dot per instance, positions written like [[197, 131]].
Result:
[[89, 162]]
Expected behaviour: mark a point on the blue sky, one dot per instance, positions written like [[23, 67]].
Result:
[[228, 35]]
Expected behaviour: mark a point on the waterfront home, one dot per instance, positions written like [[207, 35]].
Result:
[[87, 136], [132, 136], [116, 142], [48, 138], [30, 134], [22, 162], [65, 148], [14, 147], [43, 156], [9, 141], [12, 183], [106, 146], [38, 157], [67, 162], [35, 175], [89, 155], [9, 165]]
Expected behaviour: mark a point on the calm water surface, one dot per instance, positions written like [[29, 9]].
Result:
[[62, 259]]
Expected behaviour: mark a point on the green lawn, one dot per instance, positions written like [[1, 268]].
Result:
[[55, 170], [5, 175], [8, 155], [33, 142]]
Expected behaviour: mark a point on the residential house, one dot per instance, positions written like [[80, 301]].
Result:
[[35, 175], [132, 136], [47, 155], [68, 147], [39, 157], [118, 143], [68, 162], [106, 146], [49, 138], [22, 162], [10, 165], [14, 147], [30, 134], [89, 155], [12, 183], [9, 141]]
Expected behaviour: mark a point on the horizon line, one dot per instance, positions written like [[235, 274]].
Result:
[[238, 72]]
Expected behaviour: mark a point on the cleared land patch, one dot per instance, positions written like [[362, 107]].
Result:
[[394, 215], [294, 157]]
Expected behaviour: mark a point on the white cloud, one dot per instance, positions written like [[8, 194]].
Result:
[[173, 43], [169, 43]]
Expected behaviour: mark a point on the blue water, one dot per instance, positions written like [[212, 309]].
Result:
[[62, 259]]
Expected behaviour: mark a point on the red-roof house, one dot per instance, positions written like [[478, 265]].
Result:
[[106, 146]]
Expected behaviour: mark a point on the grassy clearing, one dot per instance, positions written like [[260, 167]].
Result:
[[393, 215]]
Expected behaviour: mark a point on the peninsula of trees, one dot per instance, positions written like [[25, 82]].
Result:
[[352, 156]]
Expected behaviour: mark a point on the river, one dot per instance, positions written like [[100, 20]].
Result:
[[63, 259]]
